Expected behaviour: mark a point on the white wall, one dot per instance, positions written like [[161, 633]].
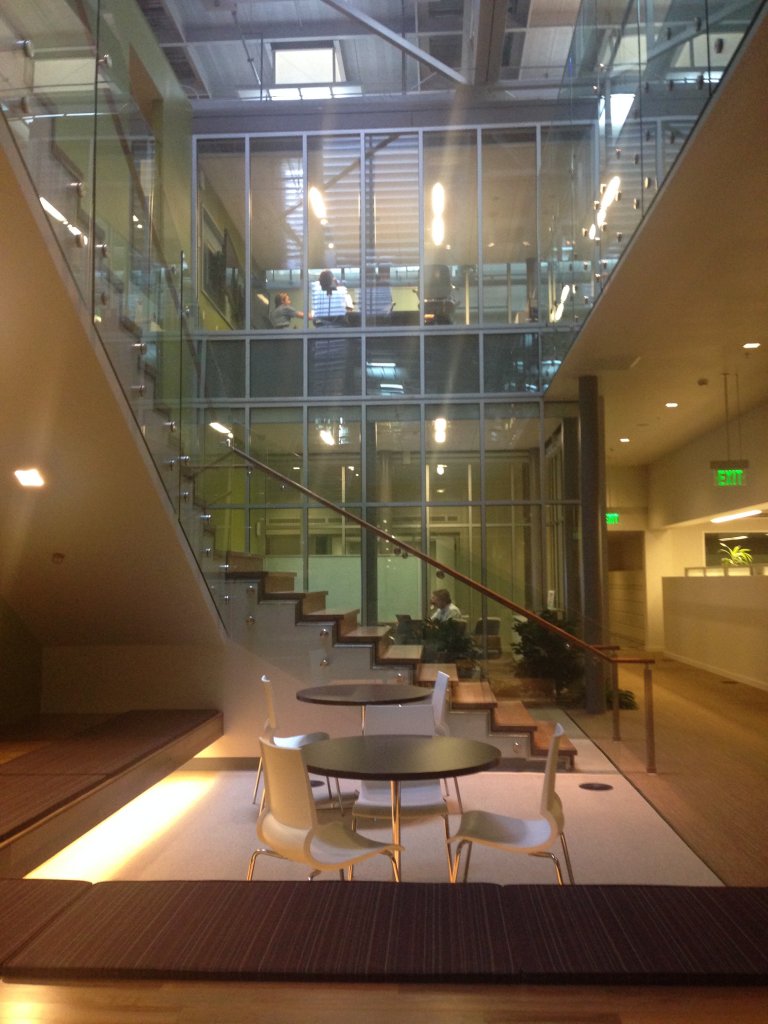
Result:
[[681, 486]]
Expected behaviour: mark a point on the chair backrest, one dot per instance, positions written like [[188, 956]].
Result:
[[550, 801], [270, 723], [440, 704], [289, 800], [399, 720], [490, 626]]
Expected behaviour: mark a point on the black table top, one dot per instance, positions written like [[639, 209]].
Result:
[[399, 757], [359, 694]]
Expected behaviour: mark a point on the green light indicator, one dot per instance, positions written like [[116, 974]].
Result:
[[611, 518], [729, 477]]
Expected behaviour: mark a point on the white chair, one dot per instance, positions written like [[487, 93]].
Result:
[[440, 710], [532, 836], [270, 729], [288, 824], [418, 798]]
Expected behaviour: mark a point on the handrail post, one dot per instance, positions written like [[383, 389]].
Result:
[[650, 737], [615, 699]]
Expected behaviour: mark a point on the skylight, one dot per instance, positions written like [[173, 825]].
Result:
[[306, 65]]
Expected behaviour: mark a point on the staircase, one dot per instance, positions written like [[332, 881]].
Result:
[[475, 710]]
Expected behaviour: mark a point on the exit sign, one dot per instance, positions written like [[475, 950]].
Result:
[[611, 518], [729, 474]]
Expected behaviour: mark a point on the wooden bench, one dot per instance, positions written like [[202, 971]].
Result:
[[383, 932], [52, 794]]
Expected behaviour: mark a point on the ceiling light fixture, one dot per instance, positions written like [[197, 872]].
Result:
[[624, 440], [671, 405], [737, 515], [316, 202], [220, 428], [29, 477], [751, 344]]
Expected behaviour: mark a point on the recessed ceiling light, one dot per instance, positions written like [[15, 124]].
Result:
[[671, 405], [624, 440], [29, 477], [751, 344]]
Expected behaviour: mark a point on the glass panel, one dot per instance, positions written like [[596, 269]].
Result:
[[277, 368], [391, 229], [221, 234], [334, 366], [454, 540], [511, 362], [452, 443], [450, 227], [334, 227], [334, 448], [277, 232], [451, 364], [394, 579], [392, 367], [567, 285], [509, 223], [334, 558], [224, 368], [512, 440], [219, 484], [277, 438], [393, 454], [513, 554]]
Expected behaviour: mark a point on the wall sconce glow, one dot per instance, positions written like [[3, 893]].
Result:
[[29, 477], [440, 430], [317, 202], [737, 515], [220, 428], [438, 199]]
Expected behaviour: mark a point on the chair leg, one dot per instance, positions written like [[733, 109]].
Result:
[[395, 868], [458, 795], [258, 782], [567, 856], [555, 861], [448, 847], [466, 863]]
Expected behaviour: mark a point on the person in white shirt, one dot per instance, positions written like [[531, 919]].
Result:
[[330, 300], [444, 608]]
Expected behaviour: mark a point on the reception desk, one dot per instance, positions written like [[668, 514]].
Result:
[[719, 624]]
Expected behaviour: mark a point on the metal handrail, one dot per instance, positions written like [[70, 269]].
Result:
[[602, 652]]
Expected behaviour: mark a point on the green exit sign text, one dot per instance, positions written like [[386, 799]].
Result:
[[611, 518], [729, 474]]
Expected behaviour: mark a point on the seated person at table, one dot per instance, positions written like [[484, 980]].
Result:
[[444, 608], [330, 300], [283, 312]]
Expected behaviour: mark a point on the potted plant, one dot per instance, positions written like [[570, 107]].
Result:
[[737, 555], [448, 642], [545, 655]]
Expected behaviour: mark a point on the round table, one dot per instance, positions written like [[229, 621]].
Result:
[[397, 759], [362, 693]]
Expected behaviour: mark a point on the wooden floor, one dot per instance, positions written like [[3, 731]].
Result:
[[712, 760], [711, 782]]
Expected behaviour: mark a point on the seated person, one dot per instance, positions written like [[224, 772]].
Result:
[[283, 312], [330, 300], [444, 608]]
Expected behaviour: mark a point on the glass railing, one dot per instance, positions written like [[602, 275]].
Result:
[[641, 75], [105, 139], [364, 572]]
